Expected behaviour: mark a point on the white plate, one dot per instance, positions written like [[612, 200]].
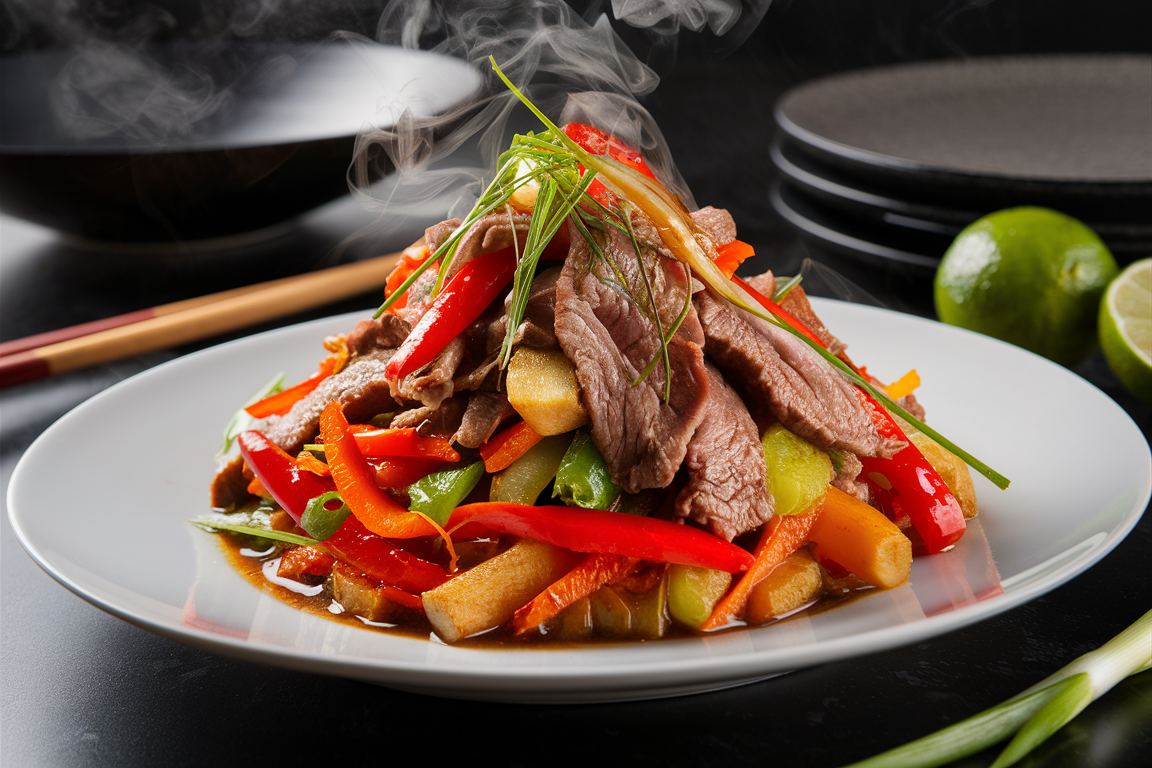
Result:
[[138, 461]]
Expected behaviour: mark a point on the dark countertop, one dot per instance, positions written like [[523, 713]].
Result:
[[82, 688]]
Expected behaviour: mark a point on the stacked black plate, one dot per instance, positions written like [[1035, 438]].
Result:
[[880, 169]]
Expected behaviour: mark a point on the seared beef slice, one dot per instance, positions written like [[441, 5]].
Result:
[[611, 340], [727, 488], [779, 371]]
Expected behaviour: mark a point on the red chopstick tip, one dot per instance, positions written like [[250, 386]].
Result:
[[22, 367]]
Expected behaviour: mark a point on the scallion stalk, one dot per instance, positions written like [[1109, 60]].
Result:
[[1034, 714]]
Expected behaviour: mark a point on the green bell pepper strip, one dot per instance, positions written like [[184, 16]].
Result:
[[583, 479], [437, 494]]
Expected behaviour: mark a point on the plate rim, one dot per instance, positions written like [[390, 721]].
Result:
[[581, 683]]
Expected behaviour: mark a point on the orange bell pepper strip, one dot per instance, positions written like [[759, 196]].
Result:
[[905, 385], [783, 535], [280, 403], [356, 481], [390, 443], [306, 460], [592, 573], [503, 449], [412, 259], [732, 255]]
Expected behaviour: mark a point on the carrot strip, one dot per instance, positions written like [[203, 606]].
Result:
[[783, 535], [861, 539], [905, 385], [281, 402], [503, 449], [592, 573]]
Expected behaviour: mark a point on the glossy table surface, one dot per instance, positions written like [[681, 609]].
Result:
[[81, 688]]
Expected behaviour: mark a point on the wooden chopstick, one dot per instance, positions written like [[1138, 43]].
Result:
[[171, 325]]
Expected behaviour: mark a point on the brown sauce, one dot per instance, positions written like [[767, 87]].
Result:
[[251, 566]]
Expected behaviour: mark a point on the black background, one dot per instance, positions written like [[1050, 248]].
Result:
[[81, 688]]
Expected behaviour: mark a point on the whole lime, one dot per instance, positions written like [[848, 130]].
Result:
[[1030, 276]]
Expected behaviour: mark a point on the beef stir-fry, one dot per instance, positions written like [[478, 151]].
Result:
[[570, 419]]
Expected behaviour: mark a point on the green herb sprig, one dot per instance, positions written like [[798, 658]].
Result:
[[1034, 714]]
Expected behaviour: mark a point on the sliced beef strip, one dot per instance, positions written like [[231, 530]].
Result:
[[230, 487], [610, 340], [845, 480], [430, 385], [484, 413], [727, 489], [385, 332], [490, 233], [442, 420], [796, 304], [717, 223], [779, 371], [361, 388]]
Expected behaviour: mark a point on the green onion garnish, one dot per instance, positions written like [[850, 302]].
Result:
[[1034, 714]]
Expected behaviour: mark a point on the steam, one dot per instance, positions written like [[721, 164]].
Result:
[[718, 15], [543, 46], [107, 90]]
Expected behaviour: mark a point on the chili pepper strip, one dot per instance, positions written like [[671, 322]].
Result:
[[923, 494], [600, 531], [461, 301], [292, 488]]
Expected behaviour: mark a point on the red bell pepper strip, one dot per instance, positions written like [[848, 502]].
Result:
[[402, 472], [461, 301], [600, 531], [293, 488], [732, 255], [387, 443], [922, 493], [503, 449], [597, 142]]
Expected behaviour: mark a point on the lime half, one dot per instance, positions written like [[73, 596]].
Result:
[[1126, 328]]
